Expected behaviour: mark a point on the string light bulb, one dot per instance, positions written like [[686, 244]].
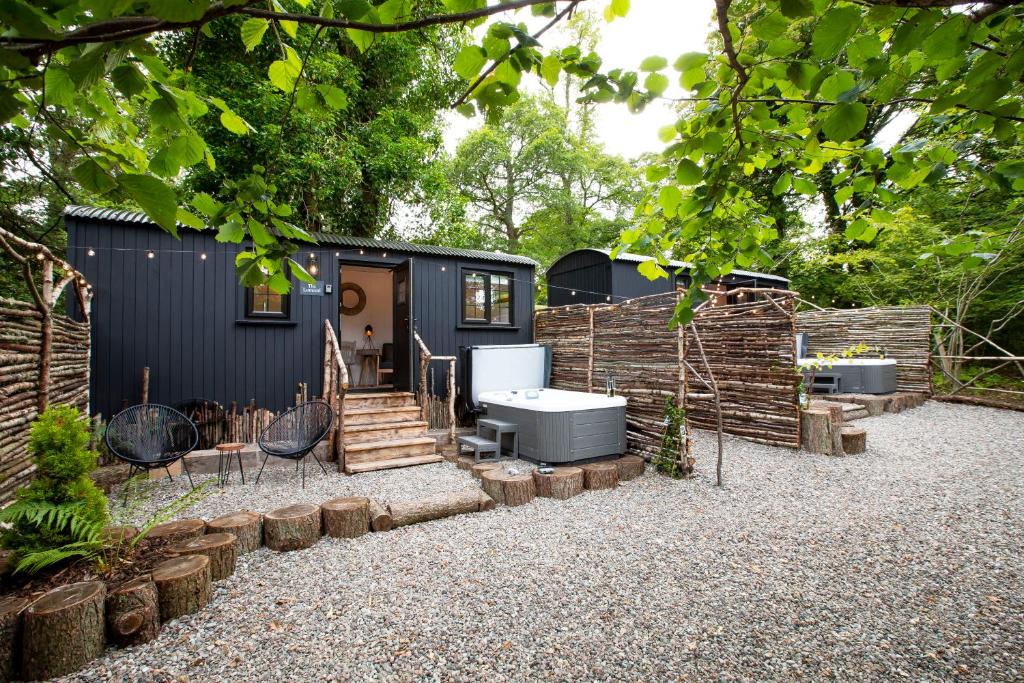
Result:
[[572, 293], [360, 252], [202, 257], [385, 254], [91, 252], [150, 254], [444, 268]]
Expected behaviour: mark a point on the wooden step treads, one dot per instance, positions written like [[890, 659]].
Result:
[[184, 585], [10, 635], [246, 525], [346, 517], [440, 506], [600, 475], [133, 612], [380, 517], [562, 484], [855, 440], [630, 467], [181, 530], [292, 528], [220, 548], [63, 631]]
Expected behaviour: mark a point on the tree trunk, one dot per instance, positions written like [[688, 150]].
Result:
[[295, 527], [439, 506], [855, 440], [133, 612], [480, 468], [562, 484], [491, 482], [181, 530], [184, 585], [600, 475], [819, 433], [219, 547], [380, 518], [63, 631], [630, 467], [10, 636], [346, 517], [518, 489], [246, 525]]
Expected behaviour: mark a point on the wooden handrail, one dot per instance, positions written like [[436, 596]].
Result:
[[425, 359], [332, 339], [334, 367]]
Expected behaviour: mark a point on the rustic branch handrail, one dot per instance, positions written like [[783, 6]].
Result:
[[335, 368], [425, 359]]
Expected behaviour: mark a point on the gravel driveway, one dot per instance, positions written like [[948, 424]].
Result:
[[902, 563]]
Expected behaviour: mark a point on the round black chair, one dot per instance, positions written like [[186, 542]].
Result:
[[294, 434], [150, 436]]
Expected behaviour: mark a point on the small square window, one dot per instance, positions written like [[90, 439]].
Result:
[[486, 298], [263, 302]]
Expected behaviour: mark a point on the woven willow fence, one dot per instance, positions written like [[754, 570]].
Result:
[[21, 335], [749, 347], [904, 332]]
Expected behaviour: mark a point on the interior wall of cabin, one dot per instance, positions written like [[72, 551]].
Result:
[[378, 285]]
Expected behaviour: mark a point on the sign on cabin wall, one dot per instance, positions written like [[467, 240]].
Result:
[[307, 289]]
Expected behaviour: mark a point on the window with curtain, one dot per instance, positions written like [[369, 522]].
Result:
[[486, 298]]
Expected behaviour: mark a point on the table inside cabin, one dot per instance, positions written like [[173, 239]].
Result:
[[369, 361]]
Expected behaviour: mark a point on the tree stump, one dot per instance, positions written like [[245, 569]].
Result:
[[292, 528], [346, 517], [184, 585], [380, 517], [220, 548], [440, 506], [518, 489], [491, 481], [481, 467], [246, 525], [819, 433], [600, 475], [465, 462], [10, 635], [133, 612], [562, 484], [181, 530], [855, 440], [630, 467], [63, 631]]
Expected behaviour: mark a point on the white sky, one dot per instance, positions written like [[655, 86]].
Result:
[[652, 27]]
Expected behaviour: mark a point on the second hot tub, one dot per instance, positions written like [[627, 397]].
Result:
[[558, 426]]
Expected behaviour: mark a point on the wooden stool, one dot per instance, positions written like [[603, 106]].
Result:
[[224, 452]]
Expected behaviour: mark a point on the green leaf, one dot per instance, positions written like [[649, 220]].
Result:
[[234, 123], [651, 270], [843, 194], [290, 27], [361, 39], [231, 231], [690, 60], [654, 63], [769, 27], [550, 68], [188, 149], [206, 204], [855, 229], [804, 186], [178, 10], [129, 80], [93, 177], [834, 30], [795, 9], [252, 32], [284, 74], [153, 196], [190, 219], [300, 273], [844, 121], [692, 77], [259, 233], [279, 283], [334, 97], [656, 83], [469, 61], [784, 182], [60, 89], [669, 198], [667, 133], [619, 8], [688, 173]]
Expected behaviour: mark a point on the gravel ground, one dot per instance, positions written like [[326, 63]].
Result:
[[902, 563]]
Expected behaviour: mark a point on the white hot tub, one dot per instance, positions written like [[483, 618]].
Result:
[[558, 426], [854, 375]]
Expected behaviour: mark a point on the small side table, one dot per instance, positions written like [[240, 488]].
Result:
[[500, 429], [224, 453], [369, 361]]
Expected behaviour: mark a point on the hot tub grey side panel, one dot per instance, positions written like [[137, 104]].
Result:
[[568, 436]]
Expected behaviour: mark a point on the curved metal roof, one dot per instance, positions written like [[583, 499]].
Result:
[[639, 258], [323, 238]]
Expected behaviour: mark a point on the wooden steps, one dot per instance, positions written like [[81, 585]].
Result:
[[384, 431]]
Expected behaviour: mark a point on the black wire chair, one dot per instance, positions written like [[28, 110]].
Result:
[[294, 434], [150, 436]]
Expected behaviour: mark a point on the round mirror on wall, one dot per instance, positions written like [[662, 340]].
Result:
[[353, 299]]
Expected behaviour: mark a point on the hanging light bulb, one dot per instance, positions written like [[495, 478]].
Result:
[[444, 268], [91, 252], [311, 264], [150, 254], [572, 293], [360, 252], [202, 256], [385, 254]]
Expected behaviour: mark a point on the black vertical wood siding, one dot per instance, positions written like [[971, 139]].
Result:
[[184, 317]]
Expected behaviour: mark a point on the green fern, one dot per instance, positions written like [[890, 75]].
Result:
[[67, 520]]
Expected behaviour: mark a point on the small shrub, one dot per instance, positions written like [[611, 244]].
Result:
[[673, 444], [62, 513]]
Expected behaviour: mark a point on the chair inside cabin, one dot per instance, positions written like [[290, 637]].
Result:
[[387, 362], [348, 356]]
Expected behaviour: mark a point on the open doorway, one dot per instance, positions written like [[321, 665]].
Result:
[[366, 325]]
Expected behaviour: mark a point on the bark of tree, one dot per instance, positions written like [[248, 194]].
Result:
[[246, 525], [181, 530], [292, 528], [184, 585], [219, 547], [562, 484], [630, 467], [346, 517], [855, 440], [380, 517], [600, 475], [133, 612], [63, 631], [439, 507], [10, 636]]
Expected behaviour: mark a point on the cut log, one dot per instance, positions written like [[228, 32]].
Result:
[[465, 462], [486, 502], [184, 585], [439, 506], [246, 525], [175, 532], [491, 482], [292, 528], [855, 440], [481, 467], [630, 467], [600, 475], [63, 631], [819, 431], [346, 517], [562, 484], [133, 612], [380, 517], [219, 547], [10, 635], [518, 489]]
